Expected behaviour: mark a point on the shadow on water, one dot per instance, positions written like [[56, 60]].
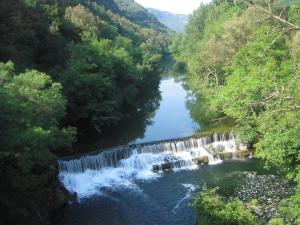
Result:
[[165, 110], [161, 113], [132, 125], [172, 119]]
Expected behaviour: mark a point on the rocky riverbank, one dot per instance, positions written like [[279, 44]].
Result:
[[266, 191]]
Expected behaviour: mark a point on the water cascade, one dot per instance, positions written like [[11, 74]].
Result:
[[86, 174]]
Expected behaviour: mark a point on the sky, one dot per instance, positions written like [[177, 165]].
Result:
[[173, 6]]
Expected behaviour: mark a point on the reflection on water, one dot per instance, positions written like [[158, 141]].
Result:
[[161, 113], [172, 119], [133, 124]]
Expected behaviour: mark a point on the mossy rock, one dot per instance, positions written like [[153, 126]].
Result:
[[225, 155], [203, 160], [242, 154]]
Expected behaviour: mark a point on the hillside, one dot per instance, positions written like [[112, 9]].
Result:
[[133, 12], [68, 69], [241, 60], [175, 22]]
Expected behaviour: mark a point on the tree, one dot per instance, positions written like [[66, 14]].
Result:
[[100, 80], [243, 61], [211, 208], [84, 20], [273, 10], [27, 164]]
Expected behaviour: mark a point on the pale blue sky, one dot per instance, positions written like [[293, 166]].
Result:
[[174, 6]]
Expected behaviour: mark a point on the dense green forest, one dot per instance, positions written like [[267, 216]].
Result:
[[67, 68], [242, 61], [76, 68]]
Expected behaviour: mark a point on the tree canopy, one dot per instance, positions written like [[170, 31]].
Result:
[[242, 62], [68, 69]]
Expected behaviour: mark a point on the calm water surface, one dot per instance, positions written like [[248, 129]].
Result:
[[172, 119], [166, 118]]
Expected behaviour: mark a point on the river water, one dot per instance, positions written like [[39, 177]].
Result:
[[163, 115], [122, 189], [162, 200], [172, 119]]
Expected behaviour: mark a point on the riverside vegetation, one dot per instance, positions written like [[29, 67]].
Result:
[[242, 62], [67, 68], [75, 67]]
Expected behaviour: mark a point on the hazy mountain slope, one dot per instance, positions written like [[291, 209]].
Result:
[[175, 22], [133, 12]]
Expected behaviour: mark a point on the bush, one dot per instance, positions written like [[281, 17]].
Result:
[[213, 209], [276, 221]]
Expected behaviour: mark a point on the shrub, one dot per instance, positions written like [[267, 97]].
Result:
[[213, 209]]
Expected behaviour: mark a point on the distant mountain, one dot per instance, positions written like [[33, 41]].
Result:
[[175, 22], [133, 12]]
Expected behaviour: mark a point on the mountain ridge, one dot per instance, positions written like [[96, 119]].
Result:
[[173, 21], [133, 11]]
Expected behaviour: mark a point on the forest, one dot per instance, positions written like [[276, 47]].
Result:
[[67, 68], [242, 61], [71, 69]]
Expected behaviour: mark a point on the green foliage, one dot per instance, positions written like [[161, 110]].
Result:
[[37, 97], [242, 94], [294, 13], [84, 20], [141, 16], [249, 72], [247, 68], [213, 35], [280, 143], [32, 106], [290, 211], [276, 221], [212, 208], [257, 96], [102, 61], [102, 77], [96, 83], [58, 37], [150, 56]]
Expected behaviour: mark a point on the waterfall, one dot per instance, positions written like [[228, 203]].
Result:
[[118, 166], [137, 155]]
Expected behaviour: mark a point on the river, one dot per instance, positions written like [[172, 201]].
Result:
[[120, 187], [164, 115], [172, 119]]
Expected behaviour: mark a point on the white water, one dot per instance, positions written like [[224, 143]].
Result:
[[190, 189], [120, 167]]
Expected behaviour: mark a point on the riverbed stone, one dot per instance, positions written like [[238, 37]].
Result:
[[225, 155], [219, 148], [162, 167], [242, 154], [202, 160]]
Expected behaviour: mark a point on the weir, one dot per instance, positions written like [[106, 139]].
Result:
[[174, 153]]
